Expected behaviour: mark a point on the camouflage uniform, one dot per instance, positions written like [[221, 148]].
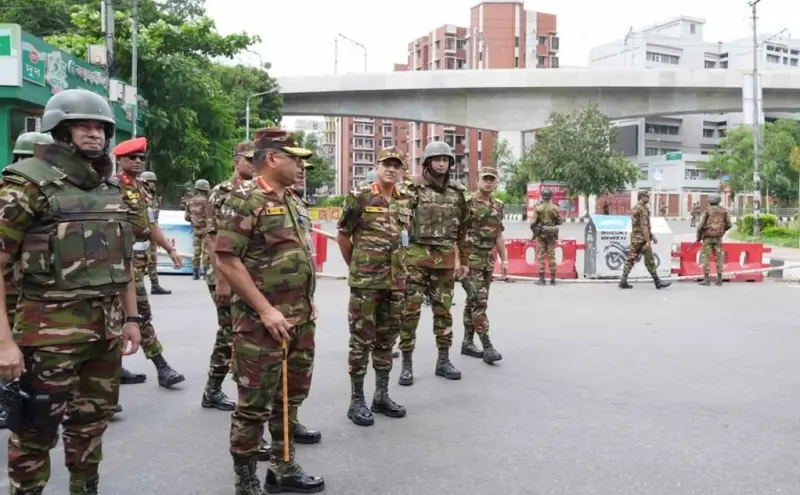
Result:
[[148, 180], [544, 224], [713, 225], [483, 228], [640, 236], [23, 148], [138, 200], [379, 232], [267, 232], [438, 227], [195, 213], [69, 315]]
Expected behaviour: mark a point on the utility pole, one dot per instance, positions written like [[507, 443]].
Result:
[[756, 129], [135, 64], [107, 19], [247, 111]]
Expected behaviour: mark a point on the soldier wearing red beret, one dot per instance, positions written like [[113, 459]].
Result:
[[131, 155]]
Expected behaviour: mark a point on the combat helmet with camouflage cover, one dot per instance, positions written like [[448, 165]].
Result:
[[25, 143], [438, 148], [147, 176], [202, 185]]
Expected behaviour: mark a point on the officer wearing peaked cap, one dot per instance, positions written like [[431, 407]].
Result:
[[131, 155], [148, 180]]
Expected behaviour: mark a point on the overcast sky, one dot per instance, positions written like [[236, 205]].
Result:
[[298, 35]]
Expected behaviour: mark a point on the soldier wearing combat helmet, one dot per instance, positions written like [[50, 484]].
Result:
[[25, 143], [149, 182], [434, 262], [60, 208], [195, 213], [544, 224], [131, 155], [710, 231], [642, 239]]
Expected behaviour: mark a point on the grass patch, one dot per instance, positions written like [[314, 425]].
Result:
[[791, 240]]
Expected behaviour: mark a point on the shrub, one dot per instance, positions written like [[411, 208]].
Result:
[[779, 232], [745, 224]]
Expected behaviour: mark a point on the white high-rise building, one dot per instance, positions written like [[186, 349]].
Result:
[[669, 147]]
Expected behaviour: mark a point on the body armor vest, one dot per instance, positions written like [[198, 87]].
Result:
[[437, 217], [81, 247], [486, 224]]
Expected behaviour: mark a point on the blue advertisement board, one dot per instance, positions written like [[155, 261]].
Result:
[[179, 233]]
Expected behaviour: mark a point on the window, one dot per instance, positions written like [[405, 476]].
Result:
[[554, 42], [671, 130], [386, 142], [516, 41], [540, 60], [449, 43], [542, 40], [516, 62], [693, 28], [710, 64], [460, 44], [708, 133], [554, 63], [663, 58], [773, 59]]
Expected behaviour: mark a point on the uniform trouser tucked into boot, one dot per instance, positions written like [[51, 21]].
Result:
[[638, 248], [375, 317], [712, 245], [257, 369], [83, 383], [439, 283], [546, 251], [220, 362], [476, 285], [167, 377]]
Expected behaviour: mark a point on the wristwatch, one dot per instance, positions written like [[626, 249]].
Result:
[[133, 319]]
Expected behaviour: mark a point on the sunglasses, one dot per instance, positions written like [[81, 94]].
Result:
[[137, 156]]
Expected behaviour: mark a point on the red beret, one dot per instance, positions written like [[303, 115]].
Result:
[[136, 145]]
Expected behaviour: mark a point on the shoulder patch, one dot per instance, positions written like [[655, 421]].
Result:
[[244, 189]]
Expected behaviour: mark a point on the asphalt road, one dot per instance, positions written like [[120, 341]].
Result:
[[682, 391]]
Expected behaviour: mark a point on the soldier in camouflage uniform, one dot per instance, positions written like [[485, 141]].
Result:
[[132, 155], [373, 236], [434, 262], [148, 180], [195, 214], [713, 225], [642, 239], [265, 253], [544, 224], [484, 235], [74, 320], [23, 148]]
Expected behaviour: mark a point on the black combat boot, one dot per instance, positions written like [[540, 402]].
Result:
[[167, 377], [719, 280], [552, 280], [263, 450], [406, 370], [128, 378], [468, 347], [292, 480], [381, 402], [246, 477], [118, 409], [81, 484], [32, 491], [92, 487], [706, 280], [156, 289], [395, 354], [445, 368], [623, 282], [490, 354], [661, 284], [541, 280], [196, 274], [306, 435], [215, 398], [358, 412]]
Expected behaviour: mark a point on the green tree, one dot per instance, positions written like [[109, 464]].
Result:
[[576, 149], [512, 178], [322, 174], [195, 108]]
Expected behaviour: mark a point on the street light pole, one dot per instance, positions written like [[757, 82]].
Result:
[[247, 111], [756, 129], [339, 138], [351, 40], [135, 66]]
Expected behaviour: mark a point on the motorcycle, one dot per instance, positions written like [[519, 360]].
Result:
[[617, 254]]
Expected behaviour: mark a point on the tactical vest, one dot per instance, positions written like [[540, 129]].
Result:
[[547, 214], [437, 217], [715, 223], [81, 247], [486, 224]]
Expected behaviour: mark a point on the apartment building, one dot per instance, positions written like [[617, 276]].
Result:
[[669, 149], [501, 35]]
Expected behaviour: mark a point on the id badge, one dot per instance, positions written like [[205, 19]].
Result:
[[404, 238], [310, 244]]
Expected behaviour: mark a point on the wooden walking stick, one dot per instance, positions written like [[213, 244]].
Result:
[[285, 376]]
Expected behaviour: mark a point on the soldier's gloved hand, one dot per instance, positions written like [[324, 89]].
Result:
[[12, 364], [131, 338], [276, 324], [176, 260]]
